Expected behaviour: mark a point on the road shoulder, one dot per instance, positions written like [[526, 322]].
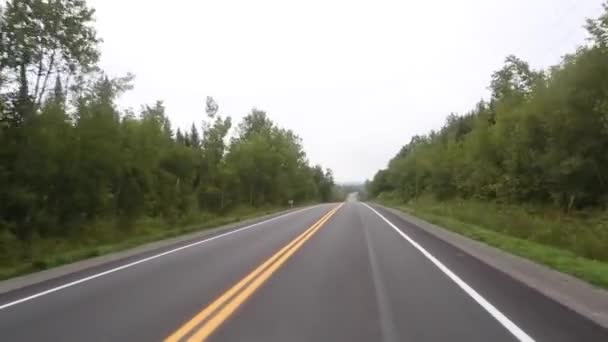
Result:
[[581, 297], [30, 279]]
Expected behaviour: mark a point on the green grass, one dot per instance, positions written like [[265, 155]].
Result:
[[18, 258], [575, 244]]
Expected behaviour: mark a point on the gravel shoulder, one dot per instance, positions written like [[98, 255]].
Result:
[[64, 270], [583, 298]]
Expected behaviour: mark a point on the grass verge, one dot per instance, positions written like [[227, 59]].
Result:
[[20, 258], [548, 239]]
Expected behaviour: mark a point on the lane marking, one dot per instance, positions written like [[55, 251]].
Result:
[[204, 314], [385, 312], [209, 327], [491, 309], [232, 298], [131, 264]]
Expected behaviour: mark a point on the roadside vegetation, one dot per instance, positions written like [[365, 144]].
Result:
[[341, 191], [80, 177], [103, 237], [501, 225], [525, 170]]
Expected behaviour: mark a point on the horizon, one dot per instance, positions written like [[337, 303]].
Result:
[[327, 82]]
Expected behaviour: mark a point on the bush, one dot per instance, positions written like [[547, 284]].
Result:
[[582, 233]]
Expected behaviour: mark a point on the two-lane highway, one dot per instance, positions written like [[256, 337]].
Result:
[[334, 272]]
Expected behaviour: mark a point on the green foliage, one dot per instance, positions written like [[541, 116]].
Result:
[[67, 169], [71, 158], [572, 244], [40, 39], [269, 165], [542, 138], [526, 171], [598, 28], [341, 192], [101, 237]]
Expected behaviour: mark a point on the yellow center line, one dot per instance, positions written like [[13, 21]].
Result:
[[209, 327], [205, 313]]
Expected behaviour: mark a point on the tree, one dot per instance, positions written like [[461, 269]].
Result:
[[541, 138], [514, 81], [598, 28], [72, 159], [179, 137], [195, 140], [46, 38], [213, 144], [211, 107]]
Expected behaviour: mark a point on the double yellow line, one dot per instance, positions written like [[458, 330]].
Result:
[[219, 310]]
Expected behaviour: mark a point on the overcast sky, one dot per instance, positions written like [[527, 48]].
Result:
[[354, 79]]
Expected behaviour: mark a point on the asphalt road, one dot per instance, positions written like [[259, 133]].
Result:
[[327, 273]]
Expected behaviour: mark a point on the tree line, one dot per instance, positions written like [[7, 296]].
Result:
[[69, 156], [542, 137]]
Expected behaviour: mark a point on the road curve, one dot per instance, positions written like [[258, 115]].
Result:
[[333, 272]]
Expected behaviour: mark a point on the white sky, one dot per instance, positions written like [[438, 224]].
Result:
[[355, 79]]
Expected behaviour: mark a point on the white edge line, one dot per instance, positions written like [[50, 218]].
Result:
[[131, 264], [491, 309]]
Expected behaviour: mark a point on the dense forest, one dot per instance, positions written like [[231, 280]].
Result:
[[541, 138], [70, 157]]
